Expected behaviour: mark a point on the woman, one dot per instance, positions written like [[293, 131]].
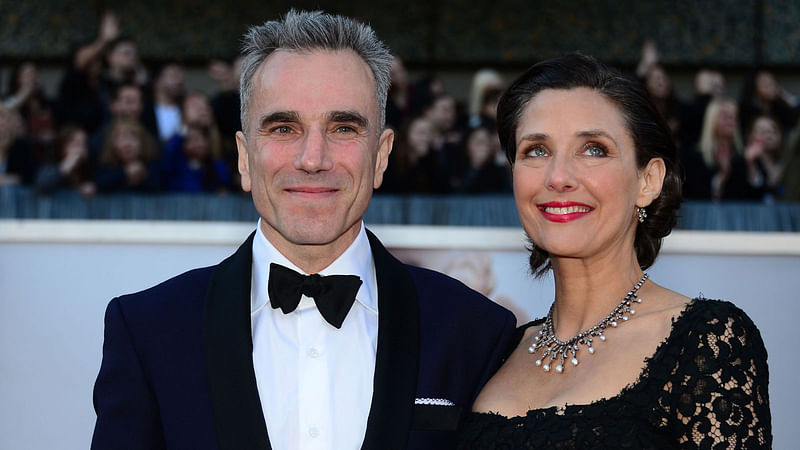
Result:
[[129, 160], [195, 164], [597, 189], [29, 99], [70, 167], [413, 165], [764, 155], [762, 95], [716, 168], [482, 174]]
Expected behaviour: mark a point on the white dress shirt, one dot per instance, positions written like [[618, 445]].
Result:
[[168, 121], [315, 381]]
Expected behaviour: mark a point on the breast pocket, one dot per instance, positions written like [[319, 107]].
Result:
[[444, 416]]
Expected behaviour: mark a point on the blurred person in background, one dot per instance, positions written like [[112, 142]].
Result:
[[413, 166], [227, 106], [715, 168], [442, 113], [18, 162], [483, 174], [423, 93], [127, 103], [27, 96], [398, 104], [197, 165], [192, 160], [163, 110], [484, 92], [225, 102], [448, 139], [762, 95], [790, 168], [121, 64], [709, 85], [129, 160], [80, 94], [70, 166], [659, 88], [765, 155]]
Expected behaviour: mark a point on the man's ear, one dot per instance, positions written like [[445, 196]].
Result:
[[385, 143], [651, 181], [244, 161]]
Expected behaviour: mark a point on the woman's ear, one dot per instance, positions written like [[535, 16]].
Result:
[[651, 180]]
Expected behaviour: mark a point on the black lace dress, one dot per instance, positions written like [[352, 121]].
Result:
[[705, 387]]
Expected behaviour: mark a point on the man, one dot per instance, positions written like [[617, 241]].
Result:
[[164, 108], [232, 356]]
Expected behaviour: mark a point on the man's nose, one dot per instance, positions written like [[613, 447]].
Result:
[[314, 153]]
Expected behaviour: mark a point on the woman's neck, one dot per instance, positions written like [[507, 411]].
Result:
[[586, 291]]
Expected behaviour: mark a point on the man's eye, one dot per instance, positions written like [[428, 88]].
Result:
[[282, 129], [345, 129]]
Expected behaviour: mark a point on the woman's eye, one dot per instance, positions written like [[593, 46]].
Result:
[[595, 150], [536, 152]]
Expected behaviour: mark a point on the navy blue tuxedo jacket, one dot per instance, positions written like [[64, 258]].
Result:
[[177, 368]]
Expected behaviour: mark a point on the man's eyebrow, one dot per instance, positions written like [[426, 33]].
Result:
[[352, 117], [279, 116]]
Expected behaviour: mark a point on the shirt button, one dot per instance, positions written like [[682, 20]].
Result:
[[313, 352], [313, 432]]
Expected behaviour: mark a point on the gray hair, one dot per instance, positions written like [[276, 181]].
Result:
[[302, 31]]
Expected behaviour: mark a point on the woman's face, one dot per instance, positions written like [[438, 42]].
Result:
[[766, 86], [767, 131], [420, 136], [479, 146], [77, 144], [127, 145], [28, 77], [196, 146], [657, 83], [726, 122], [576, 182]]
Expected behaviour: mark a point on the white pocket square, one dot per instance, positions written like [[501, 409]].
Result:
[[433, 401]]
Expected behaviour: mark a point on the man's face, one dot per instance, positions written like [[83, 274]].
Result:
[[197, 110], [124, 56], [313, 152], [128, 104], [171, 80]]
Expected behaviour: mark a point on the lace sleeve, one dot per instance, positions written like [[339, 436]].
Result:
[[717, 396]]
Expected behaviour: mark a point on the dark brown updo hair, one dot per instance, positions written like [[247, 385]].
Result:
[[650, 132]]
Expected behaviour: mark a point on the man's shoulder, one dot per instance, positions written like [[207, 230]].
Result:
[[181, 291]]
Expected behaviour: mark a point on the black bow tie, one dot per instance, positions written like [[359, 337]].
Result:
[[333, 294]]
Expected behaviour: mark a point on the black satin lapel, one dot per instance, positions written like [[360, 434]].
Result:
[[397, 359], [229, 355]]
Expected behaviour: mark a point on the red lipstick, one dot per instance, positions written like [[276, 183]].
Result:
[[564, 211]]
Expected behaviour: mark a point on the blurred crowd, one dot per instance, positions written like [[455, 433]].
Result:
[[730, 149], [117, 126]]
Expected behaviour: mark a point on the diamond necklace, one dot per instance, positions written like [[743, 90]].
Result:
[[555, 347]]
